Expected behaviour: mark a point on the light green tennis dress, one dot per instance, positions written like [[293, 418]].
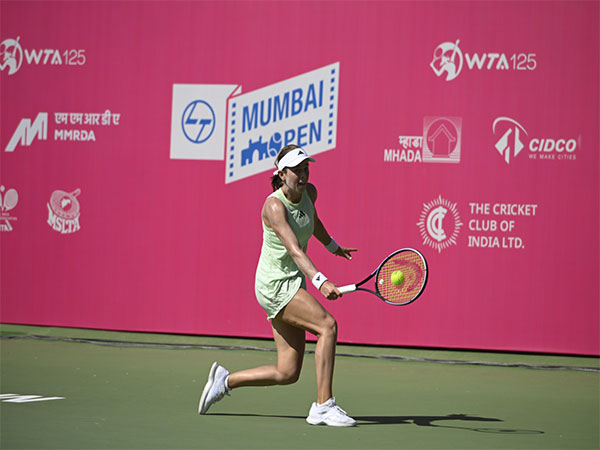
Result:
[[278, 278]]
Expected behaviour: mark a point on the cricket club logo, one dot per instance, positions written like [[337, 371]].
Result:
[[510, 143], [448, 60], [439, 224], [11, 55]]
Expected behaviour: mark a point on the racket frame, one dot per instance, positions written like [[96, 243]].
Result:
[[356, 287]]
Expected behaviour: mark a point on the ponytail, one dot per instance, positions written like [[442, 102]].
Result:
[[276, 182]]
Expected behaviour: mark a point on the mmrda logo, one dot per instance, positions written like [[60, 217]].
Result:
[[435, 232], [510, 143], [448, 60]]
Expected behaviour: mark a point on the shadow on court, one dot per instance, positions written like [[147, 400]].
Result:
[[421, 421]]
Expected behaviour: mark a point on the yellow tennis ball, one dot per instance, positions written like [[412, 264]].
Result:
[[397, 277]]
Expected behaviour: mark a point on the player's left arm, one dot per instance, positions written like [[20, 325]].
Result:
[[320, 232]]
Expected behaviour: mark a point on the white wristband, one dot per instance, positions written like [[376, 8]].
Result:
[[318, 280], [332, 246]]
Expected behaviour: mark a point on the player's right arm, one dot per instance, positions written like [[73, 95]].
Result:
[[274, 216]]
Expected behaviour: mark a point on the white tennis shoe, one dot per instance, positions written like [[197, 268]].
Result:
[[329, 414], [215, 388]]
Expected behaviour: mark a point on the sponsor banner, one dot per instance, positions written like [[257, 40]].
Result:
[[301, 110], [513, 138], [492, 225], [14, 56], [449, 61], [87, 125], [475, 147], [198, 120], [440, 143]]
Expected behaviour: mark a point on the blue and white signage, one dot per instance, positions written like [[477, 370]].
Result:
[[209, 121]]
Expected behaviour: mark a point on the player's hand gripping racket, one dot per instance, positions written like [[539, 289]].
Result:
[[405, 288]]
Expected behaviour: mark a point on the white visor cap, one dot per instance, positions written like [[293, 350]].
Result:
[[292, 159]]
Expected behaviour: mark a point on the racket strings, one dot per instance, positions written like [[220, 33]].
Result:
[[412, 266]]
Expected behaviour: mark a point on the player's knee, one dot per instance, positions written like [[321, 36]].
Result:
[[288, 376], [329, 326]]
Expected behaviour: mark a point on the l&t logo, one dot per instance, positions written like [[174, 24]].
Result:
[[198, 121]]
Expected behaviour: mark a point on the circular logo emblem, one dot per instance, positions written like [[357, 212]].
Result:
[[435, 222], [198, 121], [11, 55], [438, 230], [448, 59], [65, 205]]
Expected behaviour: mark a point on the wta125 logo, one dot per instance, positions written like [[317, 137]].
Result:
[[449, 61], [12, 56], [513, 138]]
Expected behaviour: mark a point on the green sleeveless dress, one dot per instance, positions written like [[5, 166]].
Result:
[[278, 278]]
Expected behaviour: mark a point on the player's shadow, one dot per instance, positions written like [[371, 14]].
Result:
[[441, 422], [421, 421]]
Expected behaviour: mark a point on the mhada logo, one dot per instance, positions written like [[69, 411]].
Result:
[[440, 143]]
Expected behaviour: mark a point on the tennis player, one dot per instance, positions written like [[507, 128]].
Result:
[[289, 220]]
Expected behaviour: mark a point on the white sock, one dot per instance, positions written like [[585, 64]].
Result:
[[323, 404], [227, 388]]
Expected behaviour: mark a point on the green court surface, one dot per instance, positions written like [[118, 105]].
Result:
[[134, 391]]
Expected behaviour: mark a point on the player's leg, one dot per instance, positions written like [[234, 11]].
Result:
[[289, 341], [305, 312], [302, 313]]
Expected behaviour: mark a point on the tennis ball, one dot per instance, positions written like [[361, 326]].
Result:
[[397, 277]]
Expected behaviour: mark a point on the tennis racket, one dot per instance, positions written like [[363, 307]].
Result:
[[414, 267]]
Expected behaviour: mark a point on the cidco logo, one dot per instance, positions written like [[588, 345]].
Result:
[[511, 143], [198, 121]]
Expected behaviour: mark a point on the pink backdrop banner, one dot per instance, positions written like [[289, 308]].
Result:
[[137, 140]]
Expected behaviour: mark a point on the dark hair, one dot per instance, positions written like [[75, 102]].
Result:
[[276, 182]]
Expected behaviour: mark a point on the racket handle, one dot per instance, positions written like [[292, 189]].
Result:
[[347, 289]]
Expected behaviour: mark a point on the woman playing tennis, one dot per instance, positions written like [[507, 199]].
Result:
[[289, 220]]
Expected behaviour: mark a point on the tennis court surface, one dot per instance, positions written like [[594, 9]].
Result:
[[134, 390]]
